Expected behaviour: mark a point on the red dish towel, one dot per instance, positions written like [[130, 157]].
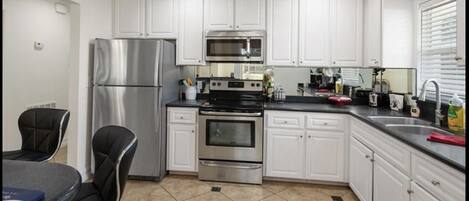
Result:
[[447, 139]]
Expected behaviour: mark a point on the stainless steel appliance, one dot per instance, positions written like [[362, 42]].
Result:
[[230, 132], [133, 79], [235, 46]]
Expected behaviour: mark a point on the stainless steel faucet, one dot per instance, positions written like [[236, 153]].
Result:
[[423, 94]]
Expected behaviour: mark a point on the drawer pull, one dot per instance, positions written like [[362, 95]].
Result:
[[181, 117], [367, 156], [325, 123], [435, 183], [285, 122]]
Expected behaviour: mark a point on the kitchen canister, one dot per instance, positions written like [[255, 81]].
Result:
[[191, 93]]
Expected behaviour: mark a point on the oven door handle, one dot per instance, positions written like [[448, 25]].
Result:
[[254, 114], [213, 164]]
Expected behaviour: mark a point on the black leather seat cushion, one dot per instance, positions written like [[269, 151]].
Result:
[[88, 192], [25, 155]]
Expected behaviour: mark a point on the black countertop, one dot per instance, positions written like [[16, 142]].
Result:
[[454, 156]]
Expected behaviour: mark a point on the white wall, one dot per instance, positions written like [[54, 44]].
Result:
[[94, 18], [32, 76]]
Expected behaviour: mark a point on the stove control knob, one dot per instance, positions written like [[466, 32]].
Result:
[[258, 85], [213, 83], [252, 84], [219, 84]]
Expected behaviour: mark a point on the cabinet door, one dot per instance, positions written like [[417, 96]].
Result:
[[347, 32], [325, 155], [250, 14], [219, 14], [372, 34], [461, 32], [389, 184], [191, 28], [162, 18], [129, 18], [285, 153], [314, 32], [181, 147], [282, 32], [420, 194], [360, 170]]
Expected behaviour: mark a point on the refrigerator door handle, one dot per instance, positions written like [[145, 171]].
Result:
[[158, 60]]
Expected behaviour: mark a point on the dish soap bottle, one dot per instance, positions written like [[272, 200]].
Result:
[[456, 115], [414, 110]]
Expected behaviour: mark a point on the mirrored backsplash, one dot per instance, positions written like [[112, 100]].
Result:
[[303, 81]]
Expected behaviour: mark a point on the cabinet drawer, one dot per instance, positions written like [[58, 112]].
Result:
[[390, 149], [182, 115], [325, 122], [440, 180], [285, 120]]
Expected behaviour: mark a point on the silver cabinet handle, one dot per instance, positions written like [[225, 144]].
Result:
[[367, 156], [301, 136], [325, 123], [435, 183], [231, 26], [333, 62], [376, 62], [285, 122], [193, 131], [198, 61], [309, 136], [181, 117], [410, 191], [237, 27], [458, 58], [141, 34], [301, 62]]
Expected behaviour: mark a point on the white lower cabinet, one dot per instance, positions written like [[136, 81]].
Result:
[[420, 194], [389, 184], [325, 158], [182, 143], [285, 153], [299, 150], [361, 170]]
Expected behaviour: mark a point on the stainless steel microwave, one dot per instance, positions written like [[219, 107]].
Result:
[[235, 46]]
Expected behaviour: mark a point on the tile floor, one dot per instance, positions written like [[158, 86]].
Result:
[[179, 187]]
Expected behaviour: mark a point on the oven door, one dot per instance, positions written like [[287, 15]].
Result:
[[231, 138]]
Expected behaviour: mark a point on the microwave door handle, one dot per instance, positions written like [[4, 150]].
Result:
[[248, 47]]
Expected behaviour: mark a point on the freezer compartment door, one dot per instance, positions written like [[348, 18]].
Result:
[[127, 62], [136, 108]]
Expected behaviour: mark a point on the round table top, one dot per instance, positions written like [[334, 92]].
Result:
[[57, 181]]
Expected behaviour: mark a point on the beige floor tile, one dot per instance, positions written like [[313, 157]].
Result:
[[248, 193], [145, 190], [350, 197], [276, 186], [210, 196], [273, 198], [184, 187], [332, 190], [301, 193]]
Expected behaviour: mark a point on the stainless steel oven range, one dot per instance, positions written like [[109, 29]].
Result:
[[230, 132]]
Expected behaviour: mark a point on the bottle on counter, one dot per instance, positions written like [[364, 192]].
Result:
[[339, 86], [456, 115]]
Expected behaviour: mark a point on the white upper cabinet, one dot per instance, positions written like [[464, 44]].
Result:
[[282, 32], [145, 18], [191, 28], [461, 33], [285, 156], [219, 14], [314, 33], [361, 170], [234, 14], [128, 18], [162, 18], [372, 33], [250, 14], [388, 182], [347, 33], [325, 155]]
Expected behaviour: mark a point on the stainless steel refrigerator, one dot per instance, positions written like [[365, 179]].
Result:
[[133, 79]]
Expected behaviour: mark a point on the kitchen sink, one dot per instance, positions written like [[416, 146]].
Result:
[[417, 129], [398, 120]]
